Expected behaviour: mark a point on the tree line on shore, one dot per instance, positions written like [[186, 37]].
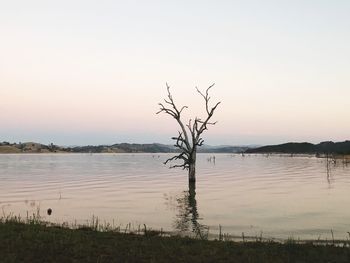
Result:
[[32, 147], [291, 148]]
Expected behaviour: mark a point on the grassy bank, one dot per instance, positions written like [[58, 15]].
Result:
[[38, 242]]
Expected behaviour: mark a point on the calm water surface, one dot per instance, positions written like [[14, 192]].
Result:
[[279, 196]]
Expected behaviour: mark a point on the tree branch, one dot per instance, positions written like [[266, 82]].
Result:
[[196, 128], [210, 113], [175, 113]]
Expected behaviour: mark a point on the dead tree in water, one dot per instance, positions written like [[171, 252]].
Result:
[[188, 139]]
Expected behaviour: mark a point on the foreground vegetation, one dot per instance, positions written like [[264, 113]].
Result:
[[35, 241]]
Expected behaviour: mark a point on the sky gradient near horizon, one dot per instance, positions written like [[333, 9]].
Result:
[[92, 72]]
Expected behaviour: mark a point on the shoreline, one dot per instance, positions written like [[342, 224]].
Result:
[[35, 241]]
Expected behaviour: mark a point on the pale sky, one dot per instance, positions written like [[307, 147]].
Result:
[[92, 72]]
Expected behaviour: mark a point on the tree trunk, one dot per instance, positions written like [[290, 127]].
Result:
[[192, 168], [192, 205]]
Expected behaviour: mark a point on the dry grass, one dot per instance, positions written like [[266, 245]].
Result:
[[9, 149], [32, 240]]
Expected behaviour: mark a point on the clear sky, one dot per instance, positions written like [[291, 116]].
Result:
[[92, 72]]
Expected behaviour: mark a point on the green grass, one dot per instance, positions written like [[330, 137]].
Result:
[[32, 240]]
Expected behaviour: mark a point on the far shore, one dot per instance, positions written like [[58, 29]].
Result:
[[334, 150], [5, 150]]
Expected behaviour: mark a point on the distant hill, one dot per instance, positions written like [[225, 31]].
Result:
[[31, 147], [292, 147], [305, 147], [125, 148], [9, 149], [154, 148], [222, 149]]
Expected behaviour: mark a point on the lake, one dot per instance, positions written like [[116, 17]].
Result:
[[274, 196]]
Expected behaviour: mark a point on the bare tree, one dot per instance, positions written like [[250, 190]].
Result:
[[189, 137]]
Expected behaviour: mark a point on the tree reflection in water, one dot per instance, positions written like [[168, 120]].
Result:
[[187, 217]]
